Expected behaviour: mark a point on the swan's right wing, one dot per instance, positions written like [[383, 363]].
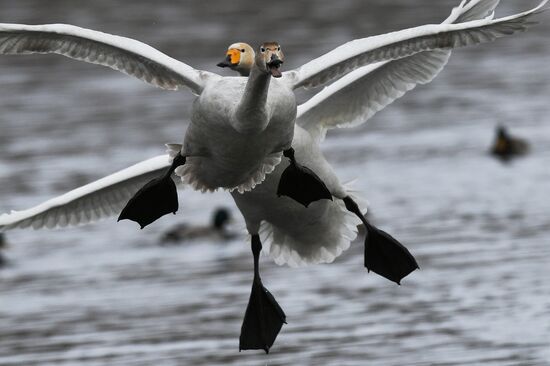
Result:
[[100, 199], [127, 55], [395, 45], [356, 97]]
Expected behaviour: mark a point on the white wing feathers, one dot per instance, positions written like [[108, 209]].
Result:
[[100, 199], [359, 95], [127, 55], [396, 45], [472, 10]]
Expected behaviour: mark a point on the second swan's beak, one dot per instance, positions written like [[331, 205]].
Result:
[[233, 57], [273, 66], [226, 62]]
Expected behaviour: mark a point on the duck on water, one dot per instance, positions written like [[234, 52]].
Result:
[[264, 317], [216, 231], [506, 146]]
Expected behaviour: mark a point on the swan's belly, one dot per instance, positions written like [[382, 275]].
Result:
[[218, 156], [239, 165]]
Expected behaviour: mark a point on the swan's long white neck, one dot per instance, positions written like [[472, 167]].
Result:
[[252, 116]]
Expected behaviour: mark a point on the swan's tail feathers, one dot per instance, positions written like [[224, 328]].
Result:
[[384, 255], [319, 234]]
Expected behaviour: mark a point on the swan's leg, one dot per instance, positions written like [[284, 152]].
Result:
[[383, 254], [301, 183], [264, 318], [155, 199]]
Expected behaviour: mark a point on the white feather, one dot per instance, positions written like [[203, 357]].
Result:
[[100, 199], [359, 95], [120, 53], [403, 43]]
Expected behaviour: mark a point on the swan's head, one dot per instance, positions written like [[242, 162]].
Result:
[[239, 57], [269, 58]]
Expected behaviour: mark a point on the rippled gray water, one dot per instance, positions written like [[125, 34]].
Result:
[[107, 294]]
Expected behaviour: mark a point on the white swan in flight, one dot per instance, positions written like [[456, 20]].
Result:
[[240, 126], [326, 227]]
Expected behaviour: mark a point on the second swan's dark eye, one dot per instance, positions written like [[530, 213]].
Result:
[[262, 49], [242, 49], [279, 48]]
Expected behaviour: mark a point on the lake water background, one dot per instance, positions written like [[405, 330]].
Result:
[[108, 294]]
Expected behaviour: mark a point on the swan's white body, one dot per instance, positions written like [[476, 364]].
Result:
[[295, 234], [223, 152]]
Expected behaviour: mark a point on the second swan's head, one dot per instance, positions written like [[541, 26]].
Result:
[[239, 57], [269, 58]]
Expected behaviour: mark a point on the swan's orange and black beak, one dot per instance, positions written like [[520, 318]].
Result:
[[232, 58]]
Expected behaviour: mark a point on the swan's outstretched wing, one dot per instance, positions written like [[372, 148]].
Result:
[[356, 97], [123, 54], [396, 45], [359, 95], [100, 199]]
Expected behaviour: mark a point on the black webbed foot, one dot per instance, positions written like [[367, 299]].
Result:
[[384, 255], [155, 199], [301, 183], [264, 318]]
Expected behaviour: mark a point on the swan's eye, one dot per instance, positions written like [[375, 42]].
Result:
[[262, 49], [279, 48], [242, 50]]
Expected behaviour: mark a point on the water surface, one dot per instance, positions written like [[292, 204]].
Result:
[[108, 294]]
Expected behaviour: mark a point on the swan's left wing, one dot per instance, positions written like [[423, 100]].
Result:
[[396, 45], [127, 55], [100, 199], [357, 96]]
